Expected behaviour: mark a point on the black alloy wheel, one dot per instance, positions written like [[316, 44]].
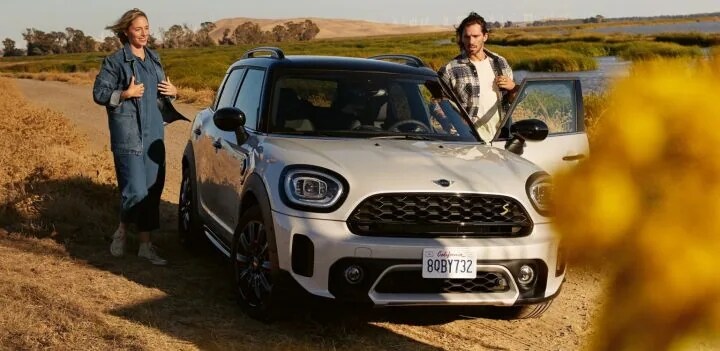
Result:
[[253, 265]]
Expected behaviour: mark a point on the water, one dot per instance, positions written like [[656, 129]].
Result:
[[701, 27], [609, 68]]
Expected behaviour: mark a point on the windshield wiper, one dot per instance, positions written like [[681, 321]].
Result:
[[405, 137]]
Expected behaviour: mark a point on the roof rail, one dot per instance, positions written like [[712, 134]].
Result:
[[409, 60], [273, 51]]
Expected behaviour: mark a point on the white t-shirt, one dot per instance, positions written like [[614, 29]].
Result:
[[489, 98]]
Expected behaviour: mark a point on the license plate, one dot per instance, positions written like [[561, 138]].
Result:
[[449, 262]]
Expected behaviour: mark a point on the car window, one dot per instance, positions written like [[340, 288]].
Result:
[[365, 106], [248, 100], [229, 90], [552, 102]]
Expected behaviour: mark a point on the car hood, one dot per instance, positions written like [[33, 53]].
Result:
[[373, 166]]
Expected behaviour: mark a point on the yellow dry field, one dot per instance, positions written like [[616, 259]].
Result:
[[59, 287], [333, 28]]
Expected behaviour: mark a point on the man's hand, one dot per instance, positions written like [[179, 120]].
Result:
[[134, 90], [505, 83]]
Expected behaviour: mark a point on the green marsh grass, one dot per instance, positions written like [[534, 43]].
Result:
[[651, 50], [690, 39], [203, 68], [199, 71]]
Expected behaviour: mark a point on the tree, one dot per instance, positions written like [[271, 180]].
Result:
[[248, 33], [280, 33], [110, 44], [227, 39], [152, 42], [77, 41], [309, 30], [41, 43], [596, 19], [178, 37], [202, 37], [9, 48]]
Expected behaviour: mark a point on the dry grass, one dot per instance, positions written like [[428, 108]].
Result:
[[73, 78], [197, 97], [331, 28], [60, 289]]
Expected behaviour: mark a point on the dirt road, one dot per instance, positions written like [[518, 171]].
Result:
[[76, 103], [565, 326]]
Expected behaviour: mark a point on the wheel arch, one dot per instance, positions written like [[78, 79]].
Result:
[[255, 193]]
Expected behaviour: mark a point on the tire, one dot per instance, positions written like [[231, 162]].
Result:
[[258, 280], [523, 311], [189, 225]]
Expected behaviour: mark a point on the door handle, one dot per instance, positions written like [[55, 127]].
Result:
[[197, 131], [216, 144], [577, 157]]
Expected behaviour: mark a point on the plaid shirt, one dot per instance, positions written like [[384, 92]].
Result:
[[460, 75]]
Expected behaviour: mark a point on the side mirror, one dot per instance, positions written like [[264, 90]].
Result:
[[530, 129], [527, 129], [229, 119]]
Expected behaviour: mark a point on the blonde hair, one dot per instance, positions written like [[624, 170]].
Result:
[[122, 24]]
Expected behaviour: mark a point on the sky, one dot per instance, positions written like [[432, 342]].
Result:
[[92, 16]]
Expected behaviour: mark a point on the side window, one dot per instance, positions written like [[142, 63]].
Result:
[[248, 100], [227, 95], [553, 102]]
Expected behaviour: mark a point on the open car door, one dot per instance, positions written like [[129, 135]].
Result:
[[557, 102]]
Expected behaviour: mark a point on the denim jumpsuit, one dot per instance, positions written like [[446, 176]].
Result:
[[136, 134]]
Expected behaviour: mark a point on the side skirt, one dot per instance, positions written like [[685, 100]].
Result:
[[216, 242]]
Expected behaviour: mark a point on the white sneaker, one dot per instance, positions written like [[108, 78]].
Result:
[[147, 250], [117, 248]]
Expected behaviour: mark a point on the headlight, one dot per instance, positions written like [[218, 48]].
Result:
[[312, 188], [539, 190]]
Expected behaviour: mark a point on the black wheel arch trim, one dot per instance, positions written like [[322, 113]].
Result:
[[255, 187]]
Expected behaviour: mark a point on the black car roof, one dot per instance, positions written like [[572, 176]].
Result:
[[333, 63]]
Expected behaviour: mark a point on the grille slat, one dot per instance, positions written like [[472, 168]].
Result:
[[440, 215], [412, 282]]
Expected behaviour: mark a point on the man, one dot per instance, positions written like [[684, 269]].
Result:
[[481, 79]]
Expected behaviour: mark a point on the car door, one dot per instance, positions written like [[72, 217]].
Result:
[[206, 149], [233, 154], [557, 102]]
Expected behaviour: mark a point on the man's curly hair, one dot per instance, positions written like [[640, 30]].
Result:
[[472, 18]]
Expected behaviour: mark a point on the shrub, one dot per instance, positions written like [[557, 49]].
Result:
[[650, 208]]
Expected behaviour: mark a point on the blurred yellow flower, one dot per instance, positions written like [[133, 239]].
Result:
[[648, 203]]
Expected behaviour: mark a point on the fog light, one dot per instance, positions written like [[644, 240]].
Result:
[[527, 274], [354, 274]]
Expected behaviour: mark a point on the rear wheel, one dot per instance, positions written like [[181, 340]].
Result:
[[255, 266], [189, 226]]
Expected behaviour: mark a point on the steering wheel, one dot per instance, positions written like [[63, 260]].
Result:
[[395, 127]]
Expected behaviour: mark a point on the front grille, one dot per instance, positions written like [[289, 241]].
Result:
[[412, 282], [440, 215]]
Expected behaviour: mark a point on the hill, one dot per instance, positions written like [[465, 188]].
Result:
[[330, 28]]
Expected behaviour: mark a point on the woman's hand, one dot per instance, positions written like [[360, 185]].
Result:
[[134, 90], [167, 88]]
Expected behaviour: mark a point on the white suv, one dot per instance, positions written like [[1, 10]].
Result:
[[357, 180]]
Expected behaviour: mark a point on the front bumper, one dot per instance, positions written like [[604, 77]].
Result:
[[317, 252]]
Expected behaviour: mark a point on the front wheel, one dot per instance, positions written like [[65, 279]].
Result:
[[254, 259]]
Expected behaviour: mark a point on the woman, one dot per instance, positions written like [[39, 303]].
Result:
[[129, 84]]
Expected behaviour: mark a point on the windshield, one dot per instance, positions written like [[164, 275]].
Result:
[[365, 105]]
